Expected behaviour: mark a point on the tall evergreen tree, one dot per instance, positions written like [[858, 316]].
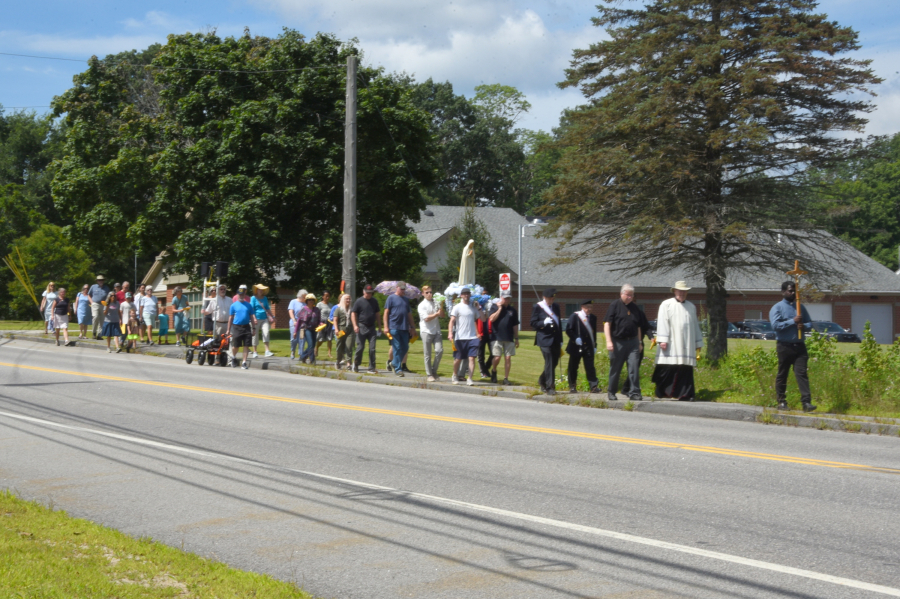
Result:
[[702, 116]]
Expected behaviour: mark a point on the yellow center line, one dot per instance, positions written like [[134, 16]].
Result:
[[486, 423]]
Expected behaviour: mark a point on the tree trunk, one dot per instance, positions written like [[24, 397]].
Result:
[[717, 339]]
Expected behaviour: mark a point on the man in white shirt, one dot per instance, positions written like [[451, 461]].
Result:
[[430, 327], [220, 308], [463, 317]]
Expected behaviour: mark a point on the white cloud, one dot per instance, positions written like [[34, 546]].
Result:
[[76, 47]]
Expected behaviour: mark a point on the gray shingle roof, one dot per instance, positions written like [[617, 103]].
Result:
[[863, 274]]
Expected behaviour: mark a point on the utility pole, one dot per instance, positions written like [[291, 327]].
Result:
[[348, 271]]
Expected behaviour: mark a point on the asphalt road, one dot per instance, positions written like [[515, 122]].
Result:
[[367, 491]]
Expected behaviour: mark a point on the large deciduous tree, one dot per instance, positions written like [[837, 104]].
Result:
[[863, 200], [233, 149], [702, 117]]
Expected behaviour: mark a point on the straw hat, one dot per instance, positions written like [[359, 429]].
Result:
[[260, 287], [681, 286], [310, 296]]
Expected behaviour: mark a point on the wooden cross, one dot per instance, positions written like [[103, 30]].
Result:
[[796, 273]]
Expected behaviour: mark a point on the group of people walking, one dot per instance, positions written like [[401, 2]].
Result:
[[479, 337], [625, 325], [113, 314]]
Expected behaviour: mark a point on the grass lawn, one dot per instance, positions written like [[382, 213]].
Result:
[[22, 325], [48, 554]]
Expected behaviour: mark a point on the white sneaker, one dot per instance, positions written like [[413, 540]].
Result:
[[254, 355], [469, 381], [454, 380], [431, 379], [269, 354]]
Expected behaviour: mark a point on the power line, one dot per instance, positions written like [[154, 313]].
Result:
[[43, 57], [149, 66]]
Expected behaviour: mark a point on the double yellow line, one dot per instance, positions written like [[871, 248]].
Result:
[[486, 423]]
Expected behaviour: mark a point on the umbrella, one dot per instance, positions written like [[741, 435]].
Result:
[[389, 287]]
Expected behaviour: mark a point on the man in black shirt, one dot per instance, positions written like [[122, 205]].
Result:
[[623, 327], [503, 322], [364, 315]]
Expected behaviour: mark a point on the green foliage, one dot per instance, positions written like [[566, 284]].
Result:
[[487, 271], [702, 117], [754, 371], [863, 198], [244, 165], [482, 159], [49, 255]]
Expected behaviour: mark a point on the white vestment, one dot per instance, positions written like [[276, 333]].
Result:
[[678, 326], [467, 265]]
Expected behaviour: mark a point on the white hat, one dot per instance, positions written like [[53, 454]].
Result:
[[681, 286]]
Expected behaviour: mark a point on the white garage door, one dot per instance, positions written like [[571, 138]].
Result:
[[819, 311], [881, 317]]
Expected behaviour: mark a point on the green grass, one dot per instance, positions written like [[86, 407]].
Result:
[[47, 554], [22, 325]]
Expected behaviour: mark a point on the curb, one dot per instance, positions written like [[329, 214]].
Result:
[[718, 411]]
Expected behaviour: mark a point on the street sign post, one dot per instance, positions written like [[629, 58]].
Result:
[[504, 281]]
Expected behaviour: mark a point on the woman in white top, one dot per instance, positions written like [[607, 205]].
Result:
[[148, 307], [47, 298]]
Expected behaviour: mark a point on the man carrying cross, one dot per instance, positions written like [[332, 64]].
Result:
[[790, 346]]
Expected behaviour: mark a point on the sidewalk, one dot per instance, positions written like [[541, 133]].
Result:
[[721, 411]]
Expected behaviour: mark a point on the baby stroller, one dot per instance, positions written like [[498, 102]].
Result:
[[209, 350]]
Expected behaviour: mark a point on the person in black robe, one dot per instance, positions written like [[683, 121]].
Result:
[[582, 332], [545, 320]]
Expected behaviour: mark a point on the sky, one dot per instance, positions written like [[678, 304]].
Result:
[[523, 43]]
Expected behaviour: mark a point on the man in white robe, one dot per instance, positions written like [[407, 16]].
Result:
[[679, 340]]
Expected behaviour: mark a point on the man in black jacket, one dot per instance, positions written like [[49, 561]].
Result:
[[582, 332], [545, 320]]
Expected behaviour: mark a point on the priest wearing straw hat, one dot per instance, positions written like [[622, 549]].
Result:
[[679, 340]]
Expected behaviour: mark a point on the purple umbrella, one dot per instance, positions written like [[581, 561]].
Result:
[[389, 287]]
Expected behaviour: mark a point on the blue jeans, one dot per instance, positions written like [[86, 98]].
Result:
[[400, 343], [308, 348]]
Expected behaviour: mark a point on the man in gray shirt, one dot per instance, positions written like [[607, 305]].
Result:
[[97, 293]]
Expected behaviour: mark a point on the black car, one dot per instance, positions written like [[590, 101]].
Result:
[[835, 331], [736, 333], [756, 329], [651, 332]]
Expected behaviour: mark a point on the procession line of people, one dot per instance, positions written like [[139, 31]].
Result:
[[126, 320]]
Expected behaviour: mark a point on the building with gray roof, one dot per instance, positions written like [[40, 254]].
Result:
[[867, 291]]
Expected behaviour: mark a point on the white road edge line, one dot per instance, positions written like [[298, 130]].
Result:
[[847, 582]]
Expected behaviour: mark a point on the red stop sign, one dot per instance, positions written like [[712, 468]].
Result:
[[504, 281]]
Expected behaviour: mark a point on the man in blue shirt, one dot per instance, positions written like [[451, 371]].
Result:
[[98, 293], [790, 347], [398, 320], [239, 325]]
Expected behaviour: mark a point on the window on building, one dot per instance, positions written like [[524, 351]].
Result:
[[195, 298], [572, 309]]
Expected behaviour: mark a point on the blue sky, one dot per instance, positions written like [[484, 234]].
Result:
[[516, 42]]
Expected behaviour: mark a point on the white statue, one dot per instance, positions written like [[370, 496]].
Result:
[[467, 264]]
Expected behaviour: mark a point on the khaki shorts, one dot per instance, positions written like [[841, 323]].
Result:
[[503, 348]]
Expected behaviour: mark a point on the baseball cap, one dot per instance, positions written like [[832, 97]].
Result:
[[465, 291], [368, 288], [505, 293]]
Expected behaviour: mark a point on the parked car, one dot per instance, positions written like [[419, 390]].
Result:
[[835, 331], [652, 330], [736, 333], [756, 329]]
